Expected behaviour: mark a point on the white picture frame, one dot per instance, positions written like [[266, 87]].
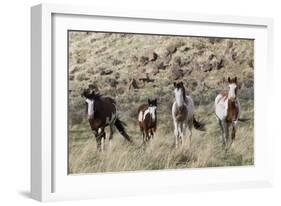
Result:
[[49, 179]]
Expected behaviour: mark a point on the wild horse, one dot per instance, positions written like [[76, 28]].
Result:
[[227, 109], [183, 114], [101, 113], [147, 117]]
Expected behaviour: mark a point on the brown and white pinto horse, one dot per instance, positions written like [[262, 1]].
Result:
[[183, 114], [101, 113], [147, 117], [227, 109]]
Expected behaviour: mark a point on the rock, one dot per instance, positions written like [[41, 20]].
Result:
[[143, 60], [80, 60], [75, 69], [117, 75], [177, 60], [106, 72], [229, 44], [116, 62], [113, 82], [135, 85], [93, 40], [82, 77], [220, 64], [186, 48], [160, 65], [187, 70], [100, 50], [153, 71], [71, 77], [152, 56], [176, 73], [251, 63], [206, 67], [134, 58], [143, 77], [167, 60], [171, 48]]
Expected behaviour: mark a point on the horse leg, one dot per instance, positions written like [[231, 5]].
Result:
[[183, 132], [180, 127], [143, 137], [146, 134], [176, 133], [111, 131], [151, 134], [233, 133], [190, 123], [222, 131], [102, 134], [226, 132], [98, 139]]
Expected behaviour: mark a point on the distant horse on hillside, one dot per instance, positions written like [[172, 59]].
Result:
[[101, 113], [183, 114], [227, 109], [147, 117]]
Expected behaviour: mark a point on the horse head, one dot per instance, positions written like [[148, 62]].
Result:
[[233, 88], [179, 93], [152, 107], [90, 101]]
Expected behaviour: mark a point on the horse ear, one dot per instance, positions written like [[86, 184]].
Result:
[[148, 101], [229, 80], [235, 79], [175, 84]]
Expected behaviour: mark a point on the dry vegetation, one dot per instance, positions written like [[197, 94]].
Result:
[[132, 68]]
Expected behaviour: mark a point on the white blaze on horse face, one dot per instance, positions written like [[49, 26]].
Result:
[[152, 111], [231, 92], [90, 107], [179, 97]]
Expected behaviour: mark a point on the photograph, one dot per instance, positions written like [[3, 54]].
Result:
[[146, 102]]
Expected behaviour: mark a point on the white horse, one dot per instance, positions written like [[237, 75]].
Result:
[[227, 109], [183, 114]]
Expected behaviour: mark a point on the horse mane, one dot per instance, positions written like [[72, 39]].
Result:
[[91, 94], [183, 93], [97, 96]]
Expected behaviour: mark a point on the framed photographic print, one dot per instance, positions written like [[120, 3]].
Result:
[[135, 102]]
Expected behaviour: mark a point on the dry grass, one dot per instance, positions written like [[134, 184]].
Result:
[[206, 150]]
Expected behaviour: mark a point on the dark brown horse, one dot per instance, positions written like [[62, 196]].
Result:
[[101, 113], [147, 117]]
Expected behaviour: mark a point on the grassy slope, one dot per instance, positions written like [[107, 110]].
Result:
[[94, 52]]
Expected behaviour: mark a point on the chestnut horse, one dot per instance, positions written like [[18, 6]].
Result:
[[227, 109], [147, 117], [183, 114], [102, 113]]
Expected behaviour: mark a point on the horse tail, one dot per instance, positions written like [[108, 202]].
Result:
[[198, 125], [243, 119], [121, 128]]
